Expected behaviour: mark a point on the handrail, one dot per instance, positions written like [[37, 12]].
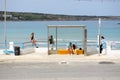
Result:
[[23, 45]]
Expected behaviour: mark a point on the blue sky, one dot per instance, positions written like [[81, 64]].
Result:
[[66, 7]]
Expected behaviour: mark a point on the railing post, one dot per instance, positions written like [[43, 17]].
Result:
[[23, 46]]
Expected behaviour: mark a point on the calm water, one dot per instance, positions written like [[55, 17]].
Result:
[[20, 31]]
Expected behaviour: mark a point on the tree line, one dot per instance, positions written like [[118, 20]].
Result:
[[25, 16]]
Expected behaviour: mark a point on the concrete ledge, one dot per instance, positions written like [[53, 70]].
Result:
[[1, 52], [27, 51], [41, 51]]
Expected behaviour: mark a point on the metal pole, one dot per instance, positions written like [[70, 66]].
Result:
[[85, 42], [99, 37], [5, 36], [48, 39], [56, 38]]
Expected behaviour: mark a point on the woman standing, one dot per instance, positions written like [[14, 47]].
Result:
[[32, 38]]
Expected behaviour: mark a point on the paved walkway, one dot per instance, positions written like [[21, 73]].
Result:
[[59, 58]]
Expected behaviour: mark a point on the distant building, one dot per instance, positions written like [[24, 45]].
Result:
[[7, 16], [15, 18]]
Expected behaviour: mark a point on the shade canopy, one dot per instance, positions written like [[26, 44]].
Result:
[[57, 27]]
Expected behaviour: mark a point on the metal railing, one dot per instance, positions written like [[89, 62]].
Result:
[[115, 45]]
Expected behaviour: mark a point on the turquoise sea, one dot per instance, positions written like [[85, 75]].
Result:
[[19, 31]]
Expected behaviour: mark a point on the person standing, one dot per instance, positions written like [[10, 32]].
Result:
[[51, 41], [32, 38], [103, 44]]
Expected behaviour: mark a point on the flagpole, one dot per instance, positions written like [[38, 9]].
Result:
[[5, 37], [99, 32]]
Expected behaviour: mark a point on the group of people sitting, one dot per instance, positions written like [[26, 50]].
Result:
[[72, 48]]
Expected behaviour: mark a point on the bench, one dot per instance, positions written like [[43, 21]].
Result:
[[63, 52], [80, 52]]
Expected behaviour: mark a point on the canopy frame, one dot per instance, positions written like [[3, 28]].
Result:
[[56, 27]]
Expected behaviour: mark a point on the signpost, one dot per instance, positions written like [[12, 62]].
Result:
[[99, 37], [5, 36]]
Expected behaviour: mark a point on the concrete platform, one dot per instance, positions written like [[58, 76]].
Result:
[[41, 55], [37, 57]]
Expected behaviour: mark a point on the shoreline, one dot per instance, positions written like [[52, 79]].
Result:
[[55, 20], [51, 17]]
